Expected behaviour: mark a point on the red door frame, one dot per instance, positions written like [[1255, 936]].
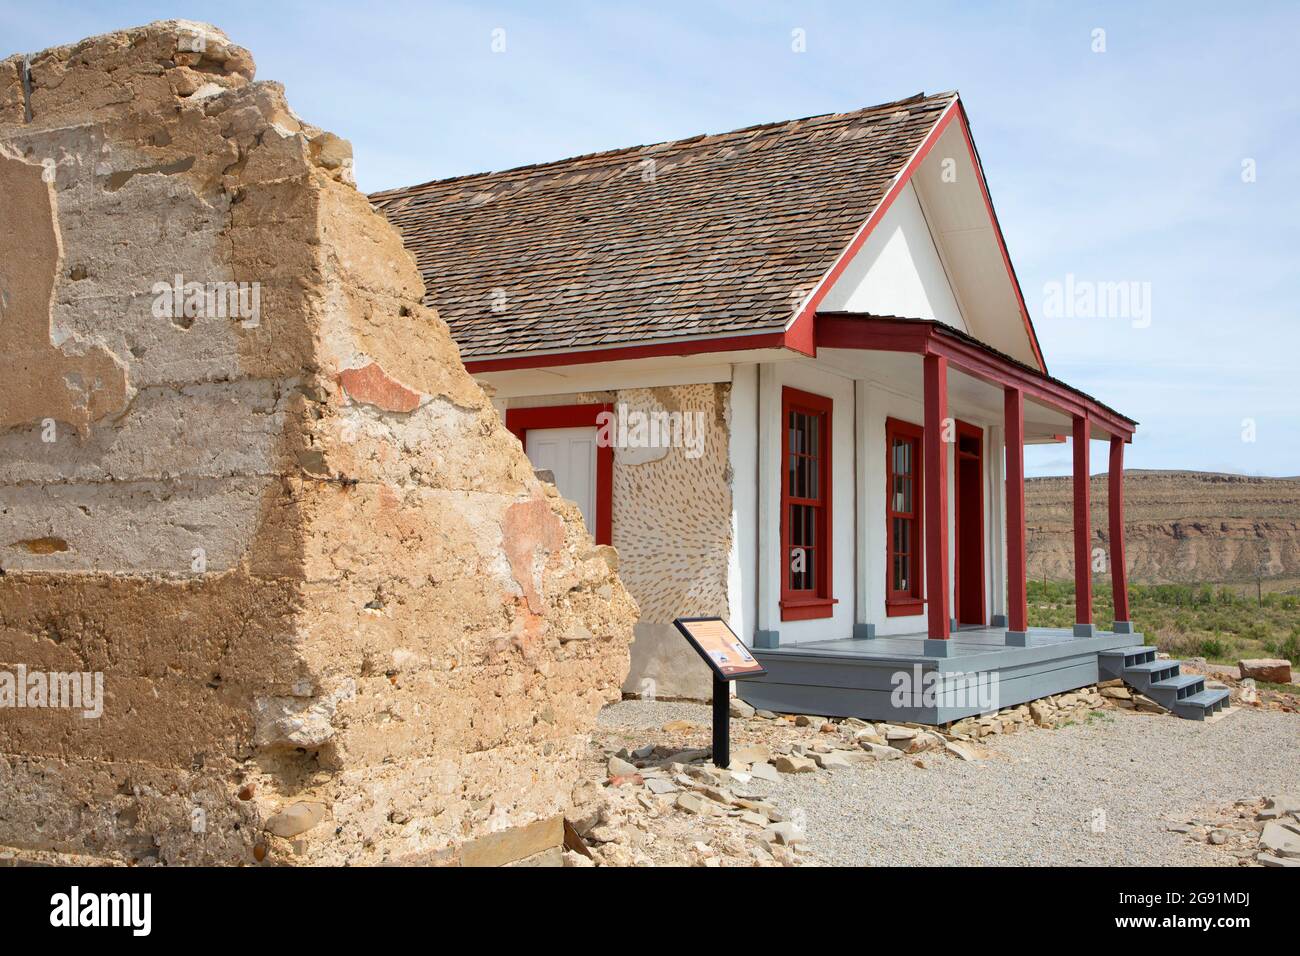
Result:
[[967, 430], [522, 420]]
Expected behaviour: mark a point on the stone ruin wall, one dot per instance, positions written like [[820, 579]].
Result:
[[338, 618]]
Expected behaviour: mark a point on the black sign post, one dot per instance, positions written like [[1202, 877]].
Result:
[[729, 659], [721, 722]]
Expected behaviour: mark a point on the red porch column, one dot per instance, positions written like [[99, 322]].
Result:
[[1017, 591], [1082, 524], [936, 501], [1118, 570]]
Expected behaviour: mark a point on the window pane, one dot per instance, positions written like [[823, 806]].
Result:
[[902, 456]]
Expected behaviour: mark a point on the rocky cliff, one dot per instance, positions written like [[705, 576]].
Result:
[[1181, 526]]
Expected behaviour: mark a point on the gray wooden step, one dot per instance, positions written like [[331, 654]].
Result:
[[1111, 663], [1183, 685], [1163, 681], [1144, 675], [1202, 705]]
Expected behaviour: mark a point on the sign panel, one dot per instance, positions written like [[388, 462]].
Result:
[[720, 647]]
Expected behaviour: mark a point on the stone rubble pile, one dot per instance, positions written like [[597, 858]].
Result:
[[714, 817], [1242, 687], [1059, 710], [1262, 832], [663, 803]]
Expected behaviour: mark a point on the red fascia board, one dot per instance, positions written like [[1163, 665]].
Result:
[[764, 340], [928, 338], [1002, 243], [800, 335]]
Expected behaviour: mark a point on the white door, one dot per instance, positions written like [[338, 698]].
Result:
[[569, 454]]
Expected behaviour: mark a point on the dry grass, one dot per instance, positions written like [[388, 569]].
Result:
[[1222, 623]]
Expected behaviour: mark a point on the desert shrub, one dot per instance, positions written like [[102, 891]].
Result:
[[1256, 631], [1288, 646], [1214, 647], [1173, 643]]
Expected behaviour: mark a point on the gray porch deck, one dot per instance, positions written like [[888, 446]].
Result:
[[861, 677]]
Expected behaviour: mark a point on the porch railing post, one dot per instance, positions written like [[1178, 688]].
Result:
[[1115, 505], [1017, 588], [936, 503], [1083, 626]]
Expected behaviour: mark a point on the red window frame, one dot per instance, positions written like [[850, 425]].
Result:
[[802, 604], [521, 420], [912, 600]]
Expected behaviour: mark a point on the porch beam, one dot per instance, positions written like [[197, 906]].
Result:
[[851, 331], [1115, 505], [1083, 626], [1017, 573], [935, 463]]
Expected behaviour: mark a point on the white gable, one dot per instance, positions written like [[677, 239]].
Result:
[[898, 271], [937, 254]]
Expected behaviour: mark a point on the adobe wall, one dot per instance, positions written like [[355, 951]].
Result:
[[672, 529], [338, 618]]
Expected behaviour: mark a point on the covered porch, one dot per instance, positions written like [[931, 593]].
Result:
[[1026, 394], [955, 604]]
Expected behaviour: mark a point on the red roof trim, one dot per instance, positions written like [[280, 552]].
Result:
[[800, 336], [1002, 243], [763, 340], [799, 333]]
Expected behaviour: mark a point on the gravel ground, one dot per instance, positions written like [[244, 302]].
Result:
[[646, 714], [1032, 802]]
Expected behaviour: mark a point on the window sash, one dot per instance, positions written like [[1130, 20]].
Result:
[[903, 512]]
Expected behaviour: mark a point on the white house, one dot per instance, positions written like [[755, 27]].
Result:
[[788, 372]]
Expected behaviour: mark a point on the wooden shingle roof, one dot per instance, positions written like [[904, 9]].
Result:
[[708, 236]]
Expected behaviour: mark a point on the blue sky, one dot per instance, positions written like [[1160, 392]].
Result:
[[1117, 166]]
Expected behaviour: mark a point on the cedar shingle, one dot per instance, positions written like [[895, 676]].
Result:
[[692, 237]]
